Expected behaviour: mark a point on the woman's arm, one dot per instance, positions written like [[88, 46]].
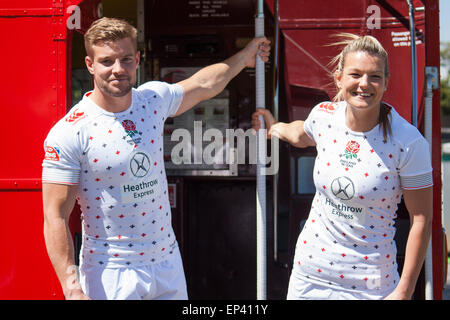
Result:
[[293, 133], [420, 208]]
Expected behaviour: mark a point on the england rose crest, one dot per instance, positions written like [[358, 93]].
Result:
[[129, 127], [351, 149]]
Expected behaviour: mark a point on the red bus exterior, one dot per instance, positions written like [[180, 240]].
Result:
[[37, 91]]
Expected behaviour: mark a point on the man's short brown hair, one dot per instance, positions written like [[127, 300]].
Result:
[[109, 29]]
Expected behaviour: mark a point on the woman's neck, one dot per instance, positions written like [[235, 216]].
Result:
[[360, 120]]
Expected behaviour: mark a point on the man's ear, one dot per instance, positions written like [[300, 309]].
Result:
[[89, 64], [138, 59], [386, 82]]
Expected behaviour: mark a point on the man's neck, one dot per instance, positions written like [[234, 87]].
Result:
[[110, 103]]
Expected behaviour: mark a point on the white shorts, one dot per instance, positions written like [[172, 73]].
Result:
[[299, 289], [159, 281]]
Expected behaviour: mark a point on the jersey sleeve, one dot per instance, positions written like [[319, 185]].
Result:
[[170, 94], [311, 121], [61, 162], [415, 168]]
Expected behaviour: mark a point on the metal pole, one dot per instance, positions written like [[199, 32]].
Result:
[[413, 63], [275, 115], [429, 256], [261, 253], [431, 76]]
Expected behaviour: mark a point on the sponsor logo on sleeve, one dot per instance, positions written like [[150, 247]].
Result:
[[51, 153]]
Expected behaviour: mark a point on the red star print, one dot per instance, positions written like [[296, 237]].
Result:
[[119, 237], [95, 160], [334, 141], [155, 163], [162, 228], [304, 241], [366, 258], [144, 213], [122, 173], [371, 151], [154, 112], [341, 276], [390, 156], [142, 119], [324, 187], [163, 249], [323, 249], [363, 237], [117, 152], [143, 235], [343, 255], [318, 270], [121, 216], [109, 131], [98, 179], [386, 178], [98, 198], [366, 174], [90, 138], [153, 141]]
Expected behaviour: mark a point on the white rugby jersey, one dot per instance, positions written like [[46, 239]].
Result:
[[116, 159], [347, 241]]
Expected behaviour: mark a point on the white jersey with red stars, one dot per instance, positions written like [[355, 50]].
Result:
[[347, 243], [116, 160]]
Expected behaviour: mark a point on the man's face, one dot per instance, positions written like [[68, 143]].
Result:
[[113, 65]]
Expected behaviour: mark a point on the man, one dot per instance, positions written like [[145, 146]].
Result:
[[106, 153]]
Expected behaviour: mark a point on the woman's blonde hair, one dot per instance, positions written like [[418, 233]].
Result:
[[109, 29], [369, 44]]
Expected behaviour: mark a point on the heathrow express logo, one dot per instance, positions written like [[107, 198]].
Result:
[[343, 188], [140, 165]]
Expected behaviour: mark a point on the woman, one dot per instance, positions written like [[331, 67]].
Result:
[[368, 157]]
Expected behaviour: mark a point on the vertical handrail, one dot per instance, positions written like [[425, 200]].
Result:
[[261, 253]]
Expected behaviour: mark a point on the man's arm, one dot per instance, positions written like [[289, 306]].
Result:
[[211, 80], [59, 200]]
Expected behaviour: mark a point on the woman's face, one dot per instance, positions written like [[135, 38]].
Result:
[[362, 81]]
